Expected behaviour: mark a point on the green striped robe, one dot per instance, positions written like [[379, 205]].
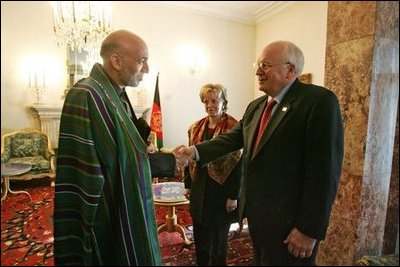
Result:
[[104, 210]]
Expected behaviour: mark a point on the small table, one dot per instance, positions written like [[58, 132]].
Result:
[[13, 169], [170, 194]]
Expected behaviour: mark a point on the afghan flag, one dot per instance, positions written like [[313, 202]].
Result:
[[156, 118]]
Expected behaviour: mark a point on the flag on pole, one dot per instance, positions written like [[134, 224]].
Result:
[[156, 118]]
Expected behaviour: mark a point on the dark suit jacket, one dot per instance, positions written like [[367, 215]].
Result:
[[208, 198], [293, 177]]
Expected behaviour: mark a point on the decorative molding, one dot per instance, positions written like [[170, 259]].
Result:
[[203, 8], [47, 110], [270, 9]]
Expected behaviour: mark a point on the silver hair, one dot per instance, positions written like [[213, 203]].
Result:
[[293, 54]]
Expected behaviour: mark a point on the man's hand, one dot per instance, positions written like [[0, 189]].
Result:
[[181, 160], [299, 244]]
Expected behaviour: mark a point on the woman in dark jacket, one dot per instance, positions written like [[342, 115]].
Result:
[[213, 189]]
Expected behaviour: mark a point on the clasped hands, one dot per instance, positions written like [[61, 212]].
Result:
[[183, 155]]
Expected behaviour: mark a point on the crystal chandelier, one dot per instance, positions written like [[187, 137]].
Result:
[[82, 25]]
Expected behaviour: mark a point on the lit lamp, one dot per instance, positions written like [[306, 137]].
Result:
[[81, 26]]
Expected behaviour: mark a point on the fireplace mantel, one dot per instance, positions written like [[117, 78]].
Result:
[[47, 120]]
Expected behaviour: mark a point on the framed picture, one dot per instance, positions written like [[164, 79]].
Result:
[[305, 78]]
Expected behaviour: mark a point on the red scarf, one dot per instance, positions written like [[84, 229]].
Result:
[[219, 169]]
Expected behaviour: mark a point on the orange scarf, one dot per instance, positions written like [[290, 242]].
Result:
[[219, 169]]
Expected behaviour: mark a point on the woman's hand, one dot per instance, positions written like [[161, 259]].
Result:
[[186, 193], [231, 205]]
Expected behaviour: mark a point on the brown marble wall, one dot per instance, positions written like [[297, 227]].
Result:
[[362, 69]]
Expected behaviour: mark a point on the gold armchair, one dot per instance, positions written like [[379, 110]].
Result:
[[29, 146]]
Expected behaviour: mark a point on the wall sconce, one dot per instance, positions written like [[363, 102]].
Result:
[[41, 75], [193, 64], [193, 59]]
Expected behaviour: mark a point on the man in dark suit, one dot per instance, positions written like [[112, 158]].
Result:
[[291, 172]]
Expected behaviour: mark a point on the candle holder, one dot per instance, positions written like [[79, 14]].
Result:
[[38, 95], [37, 86]]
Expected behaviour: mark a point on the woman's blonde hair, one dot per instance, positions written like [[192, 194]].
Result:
[[219, 90]]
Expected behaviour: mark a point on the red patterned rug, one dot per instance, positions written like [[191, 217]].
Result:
[[240, 251], [27, 233], [175, 253], [27, 228]]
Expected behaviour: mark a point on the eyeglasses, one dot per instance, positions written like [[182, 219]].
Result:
[[264, 65]]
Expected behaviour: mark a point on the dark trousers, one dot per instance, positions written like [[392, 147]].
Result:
[[211, 244]]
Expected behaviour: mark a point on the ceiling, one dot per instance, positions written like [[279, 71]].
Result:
[[248, 12]]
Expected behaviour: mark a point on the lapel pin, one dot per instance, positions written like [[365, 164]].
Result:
[[284, 108]]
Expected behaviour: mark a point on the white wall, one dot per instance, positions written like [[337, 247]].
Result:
[[228, 47], [27, 38], [303, 23]]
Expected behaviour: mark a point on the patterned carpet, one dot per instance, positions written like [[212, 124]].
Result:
[[27, 233], [240, 251], [175, 253], [27, 228]]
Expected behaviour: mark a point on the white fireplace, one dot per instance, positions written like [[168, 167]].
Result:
[[47, 120]]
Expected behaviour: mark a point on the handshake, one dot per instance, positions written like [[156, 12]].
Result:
[[183, 155]]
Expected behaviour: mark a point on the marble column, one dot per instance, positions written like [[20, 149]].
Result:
[[392, 216], [362, 68]]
